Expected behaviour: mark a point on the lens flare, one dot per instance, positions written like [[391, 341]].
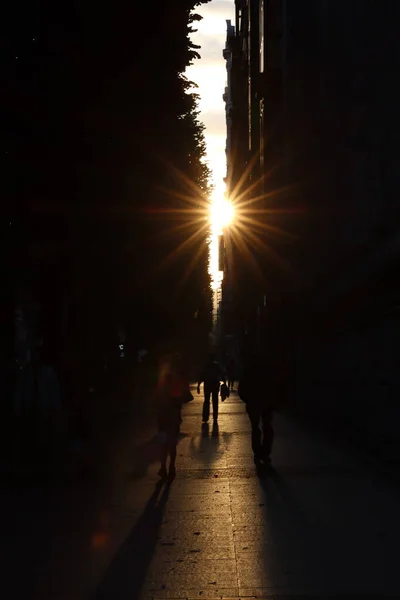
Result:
[[221, 209], [221, 214]]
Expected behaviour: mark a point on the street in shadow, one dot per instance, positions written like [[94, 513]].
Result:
[[277, 494], [127, 572], [293, 533]]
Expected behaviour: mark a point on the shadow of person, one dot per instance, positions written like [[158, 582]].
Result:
[[127, 571], [203, 447], [277, 492], [215, 429], [208, 447], [205, 430], [291, 531]]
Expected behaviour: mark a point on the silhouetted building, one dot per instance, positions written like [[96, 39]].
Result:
[[227, 97], [315, 138], [225, 253]]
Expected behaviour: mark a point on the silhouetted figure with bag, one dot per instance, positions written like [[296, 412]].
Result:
[[259, 407], [211, 376], [231, 369]]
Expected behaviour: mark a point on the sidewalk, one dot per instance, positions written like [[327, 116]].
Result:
[[322, 523]]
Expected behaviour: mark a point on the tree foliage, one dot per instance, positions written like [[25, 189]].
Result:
[[103, 162]]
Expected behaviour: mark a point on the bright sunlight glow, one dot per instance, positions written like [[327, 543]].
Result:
[[221, 215], [210, 76], [221, 211]]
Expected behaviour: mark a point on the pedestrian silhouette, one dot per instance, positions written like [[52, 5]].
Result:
[[173, 386], [259, 407], [231, 369], [211, 376]]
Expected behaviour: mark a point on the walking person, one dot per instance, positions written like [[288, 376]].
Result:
[[173, 387], [211, 376], [231, 369], [259, 407]]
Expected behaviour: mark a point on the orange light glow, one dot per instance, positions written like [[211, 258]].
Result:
[[222, 211], [221, 215], [98, 540]]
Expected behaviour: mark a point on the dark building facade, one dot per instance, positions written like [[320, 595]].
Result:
[[314, 142], [316, 181]]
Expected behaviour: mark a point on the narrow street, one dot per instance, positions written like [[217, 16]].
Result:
[[322, 522]]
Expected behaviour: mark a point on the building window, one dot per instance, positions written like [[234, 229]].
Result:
[[261, 22]]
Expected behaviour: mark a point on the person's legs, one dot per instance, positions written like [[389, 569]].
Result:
[[162, 437], [173, 436], [254, 416], [163, 459], [172, 456], [206, 404], [268, 432], [215, 402]]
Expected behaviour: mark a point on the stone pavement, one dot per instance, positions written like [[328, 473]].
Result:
[[321, 523]]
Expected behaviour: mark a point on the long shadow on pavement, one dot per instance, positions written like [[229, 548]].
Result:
[[291, 532], [209, 444], [278, 494], [127, 572], [203, 449]]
